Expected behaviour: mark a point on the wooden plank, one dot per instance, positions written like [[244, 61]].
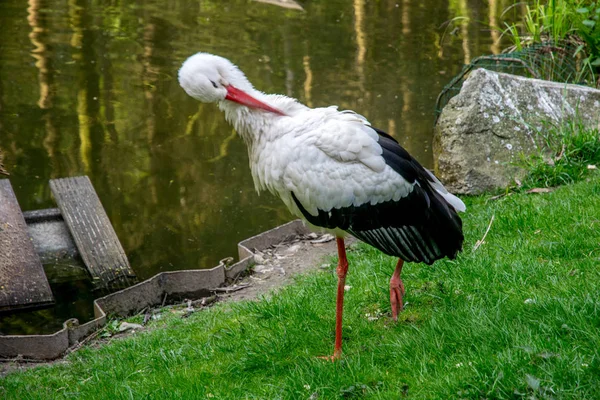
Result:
[[23, 283], [93, 233]]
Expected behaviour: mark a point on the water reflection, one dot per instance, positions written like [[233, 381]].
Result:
[[89, 87]]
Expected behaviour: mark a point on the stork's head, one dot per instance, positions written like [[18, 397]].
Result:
[[212, 79]]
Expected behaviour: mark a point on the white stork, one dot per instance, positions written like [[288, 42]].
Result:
[[334, 170]]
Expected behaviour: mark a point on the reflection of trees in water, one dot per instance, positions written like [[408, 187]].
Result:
[[460, 8], [361, 44], [42, 53], [308, 81], [84, 41], [494, 26], [173, 178]]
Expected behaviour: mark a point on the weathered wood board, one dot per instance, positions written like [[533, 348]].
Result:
[[23, 283], [55, 246], [93, 233]]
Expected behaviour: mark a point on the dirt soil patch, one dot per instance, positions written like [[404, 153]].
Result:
[[276, 265]]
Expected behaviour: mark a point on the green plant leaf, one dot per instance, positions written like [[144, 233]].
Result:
[[589, 22], [579, 48], [583, 10], [532, 382], [596, 62]]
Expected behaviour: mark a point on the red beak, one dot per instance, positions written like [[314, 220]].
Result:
[[243, 98]]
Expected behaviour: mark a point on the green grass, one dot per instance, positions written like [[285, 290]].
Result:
[[575, 21], [568, 153], [517, 318]]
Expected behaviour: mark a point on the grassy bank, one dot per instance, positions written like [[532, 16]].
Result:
[[562, 21], [518, 317]]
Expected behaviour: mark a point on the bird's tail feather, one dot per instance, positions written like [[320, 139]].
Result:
[[449, 197], [437, 233]]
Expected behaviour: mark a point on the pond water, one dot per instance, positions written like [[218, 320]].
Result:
[[90, 88]]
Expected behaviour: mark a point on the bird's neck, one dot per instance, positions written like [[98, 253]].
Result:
[[249, 123], [256, 125], [258, 128]]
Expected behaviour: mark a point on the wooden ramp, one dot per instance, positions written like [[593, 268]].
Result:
[[92, 232], [23, 283]]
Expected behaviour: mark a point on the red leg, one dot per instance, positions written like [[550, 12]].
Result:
[[397, 290], [342, 269]]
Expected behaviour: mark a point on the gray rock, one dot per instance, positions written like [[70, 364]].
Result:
[[495, 117], [125, 326]]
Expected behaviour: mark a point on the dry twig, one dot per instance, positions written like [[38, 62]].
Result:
[[230, 289], [480, 241], [78, 345], [540, 190]]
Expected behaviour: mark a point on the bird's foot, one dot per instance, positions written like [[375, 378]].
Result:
[[396, 294], [336, 356]]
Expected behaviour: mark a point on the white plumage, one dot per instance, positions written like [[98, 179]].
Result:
[[333, 169], [329, 159]]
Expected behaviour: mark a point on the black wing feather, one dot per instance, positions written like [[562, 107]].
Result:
[[421, 227]]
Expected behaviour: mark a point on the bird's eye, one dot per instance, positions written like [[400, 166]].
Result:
[[214, 84]]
